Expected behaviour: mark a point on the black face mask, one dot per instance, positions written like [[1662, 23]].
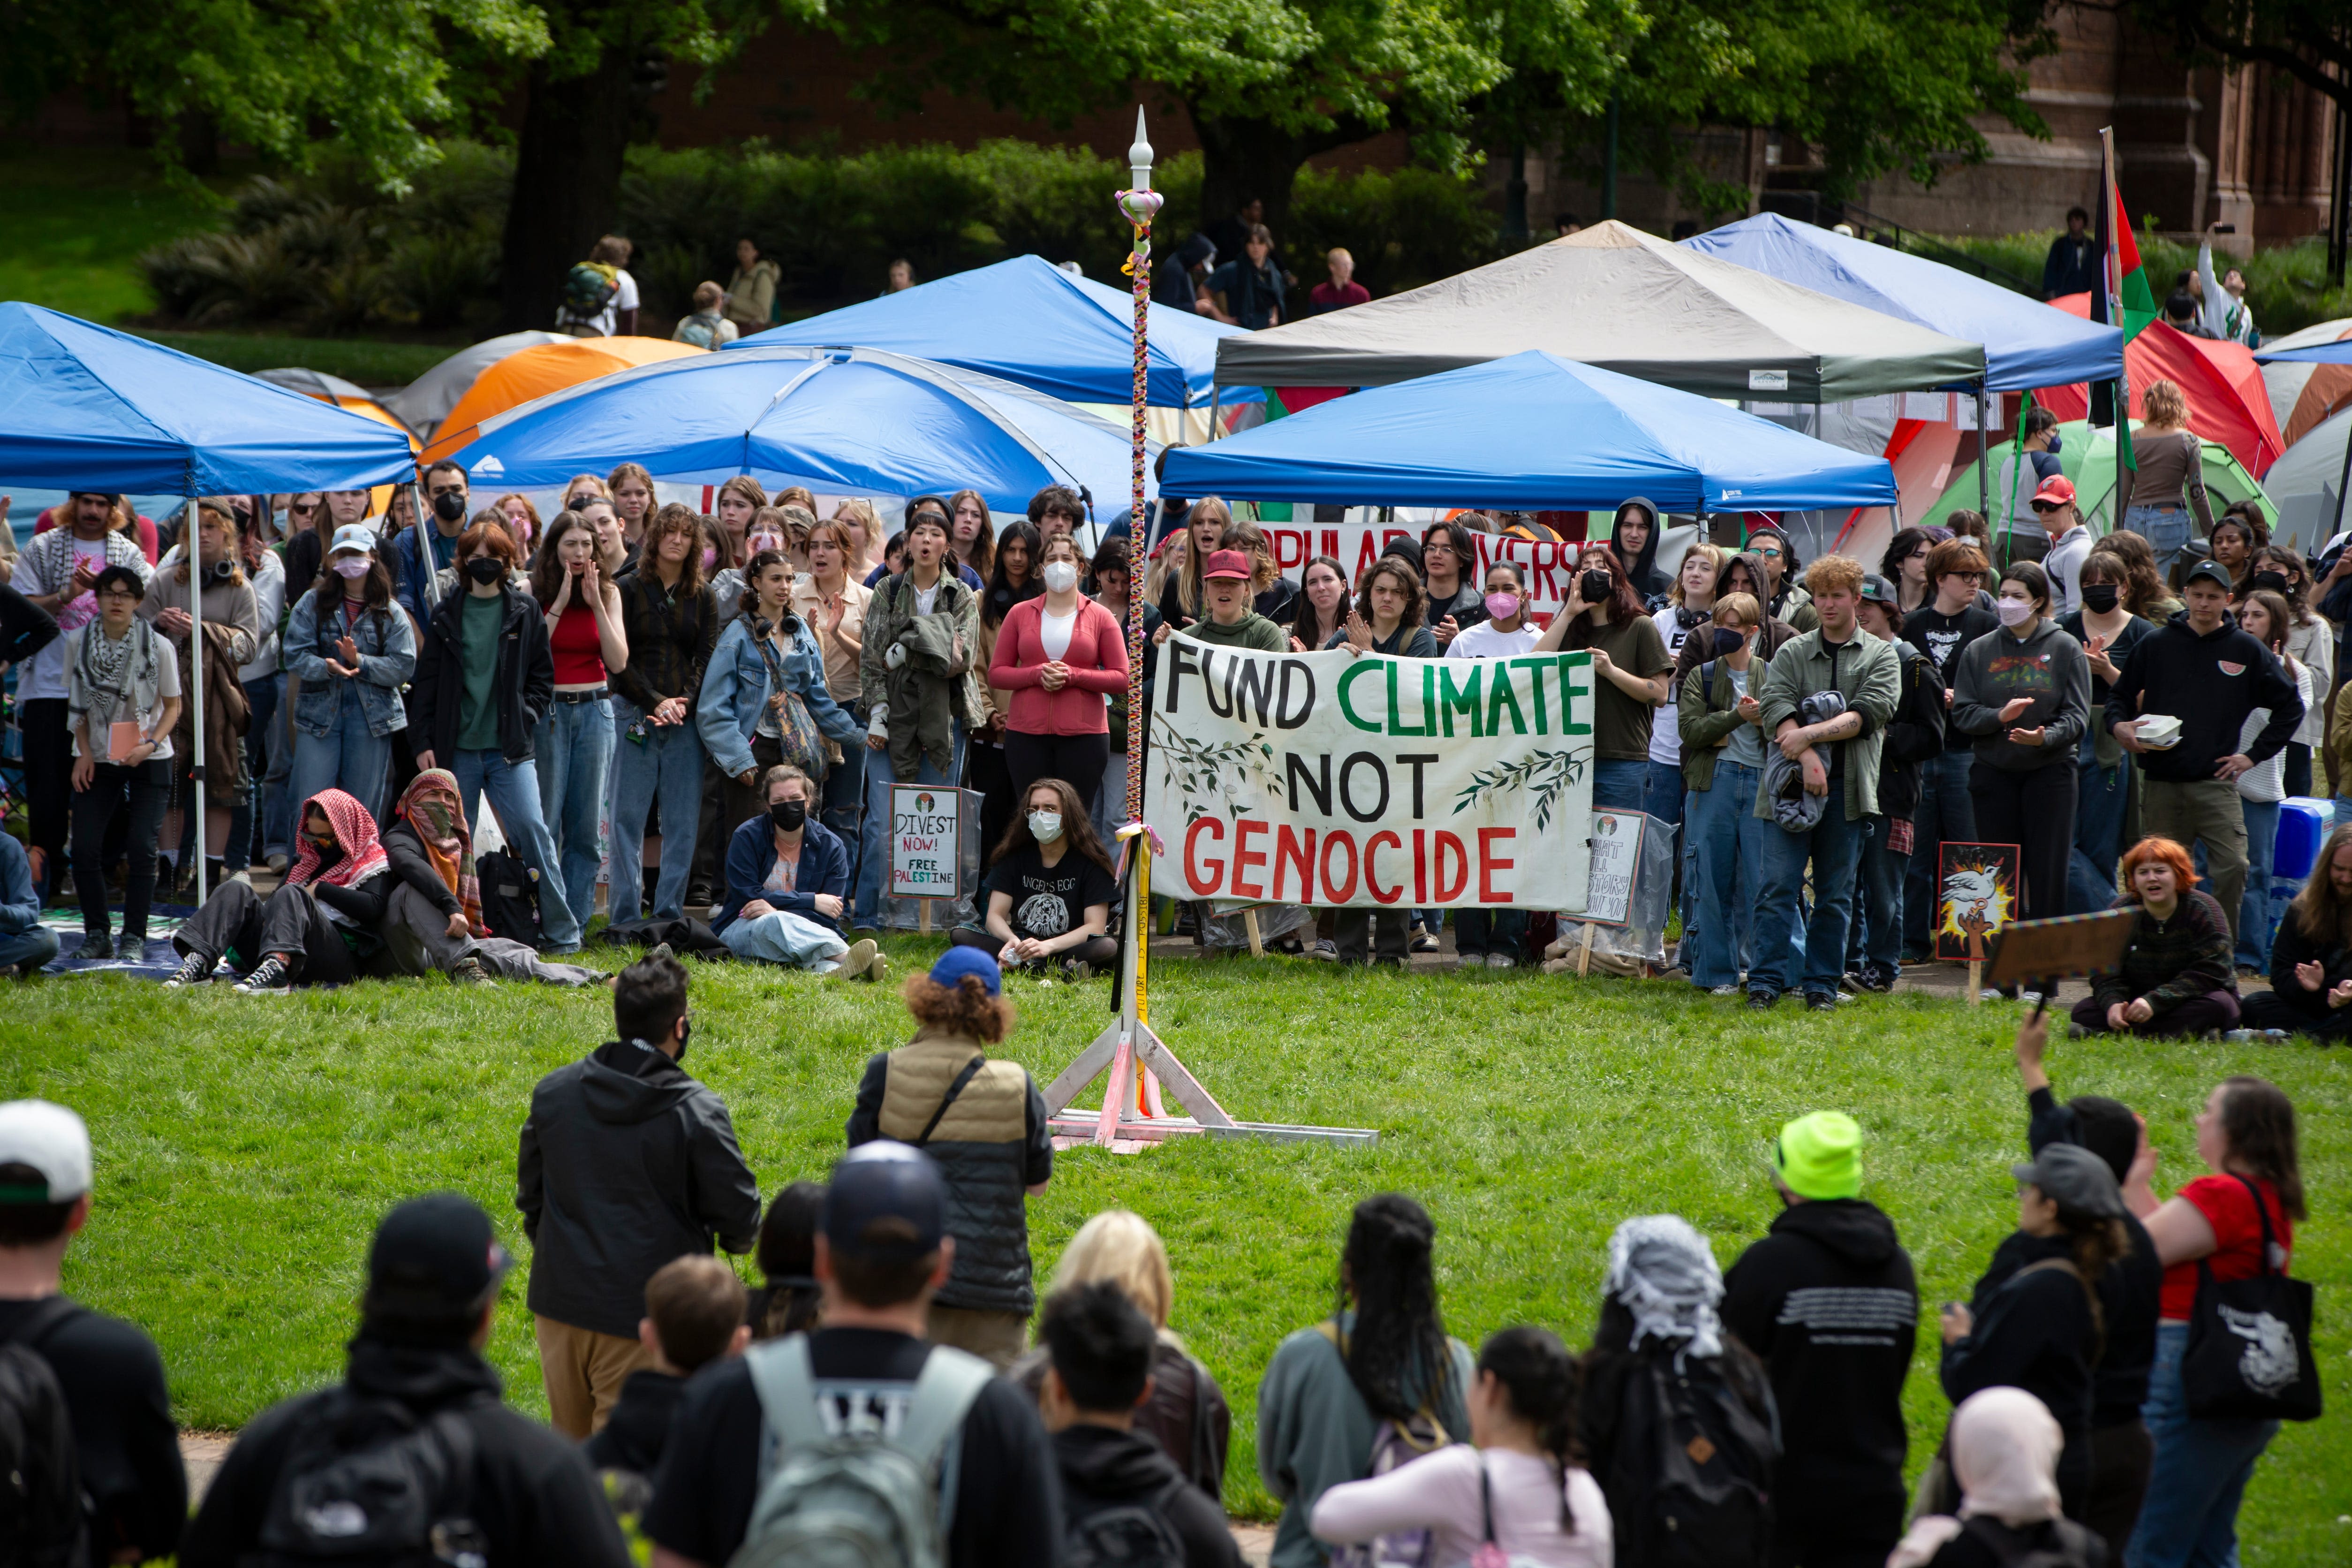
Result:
[[789, 814], [485, 569], [685, 1032], [1595, 587], [2275, 581], [1726, 642], [2101, 596], [449, 505]]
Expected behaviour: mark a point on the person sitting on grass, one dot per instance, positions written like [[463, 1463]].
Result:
[[1518, 1488], [24, 943], [2176, 977], [317, 929], [788, 886], [2310, 956], [984, 1121], [1119, 1492], [432, 918], [1050, 891], [694, 1316]]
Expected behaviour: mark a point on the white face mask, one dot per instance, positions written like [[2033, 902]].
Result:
[[1045, 827], [1060, 576]]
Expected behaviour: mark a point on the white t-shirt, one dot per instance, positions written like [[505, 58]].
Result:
[[926, 598], [1483, 641], [1053, 632], [2266, 781], [167, 684], [625, 297], [47, 676], [1666, 735]]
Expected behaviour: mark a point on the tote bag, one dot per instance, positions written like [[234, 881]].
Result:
[[2249, 1356]]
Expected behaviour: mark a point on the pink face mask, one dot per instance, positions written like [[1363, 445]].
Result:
[[1502, 607], [352, 566], [709, 558]]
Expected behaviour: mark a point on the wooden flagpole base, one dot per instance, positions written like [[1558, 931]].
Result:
[[1120, 1127]]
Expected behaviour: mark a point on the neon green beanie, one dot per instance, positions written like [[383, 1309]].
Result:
[[1820, 1157]]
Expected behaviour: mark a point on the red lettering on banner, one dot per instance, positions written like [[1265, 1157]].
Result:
[[1334, 889], [1331, 543], [1447, 891], [1292, 853], [1292, 547], [1489, 863], [1420, 869], [1372, 848], [1368, 551], [1245, 857], [1192, 867]]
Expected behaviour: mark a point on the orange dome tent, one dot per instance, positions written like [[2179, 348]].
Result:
[[535, 372]]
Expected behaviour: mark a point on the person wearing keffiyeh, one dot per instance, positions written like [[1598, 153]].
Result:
[[319, 928], [432, 917]]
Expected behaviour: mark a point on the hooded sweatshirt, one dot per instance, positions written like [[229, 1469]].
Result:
[[1642, 569], [1829, 1301], [626, 1163], [2047, 667], [1104, 1469], [2210, 681]]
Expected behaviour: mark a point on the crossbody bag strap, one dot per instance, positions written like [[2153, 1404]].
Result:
[[2263, 1215], [971, 1071], [2090, 1296]]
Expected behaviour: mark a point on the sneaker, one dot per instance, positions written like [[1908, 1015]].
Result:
[[1762, 1000], [195, 970], [241, 874], [1501, 960], [1424, 944], [96, 945], [1876, 981], [277, 864], [2255, 1034], [1075, 970], [269, 978], [1327, 950], [878, 971], [2076, 1032], [858, 959], [469, 972], [1822, 1001], [1723, 991], [1854, 982]]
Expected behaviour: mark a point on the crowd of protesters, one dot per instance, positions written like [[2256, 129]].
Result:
[[901, 1380]]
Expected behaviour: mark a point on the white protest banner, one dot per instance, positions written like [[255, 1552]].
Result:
[[1546, 568], [926, 841], [1331, 779]]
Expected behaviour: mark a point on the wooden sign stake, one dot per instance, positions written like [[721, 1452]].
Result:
[[923, 915], [1249, 924]]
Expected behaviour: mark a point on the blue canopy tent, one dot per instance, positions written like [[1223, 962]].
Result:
[[1532, 432], [841, 421], [2337, 353], [83, 407], [2027, 343], [1033, 324]]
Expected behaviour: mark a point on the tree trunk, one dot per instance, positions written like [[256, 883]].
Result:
[[567, 186], [1244, 160]]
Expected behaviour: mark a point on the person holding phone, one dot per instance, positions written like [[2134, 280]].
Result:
[[1630, 669], [123, 694]]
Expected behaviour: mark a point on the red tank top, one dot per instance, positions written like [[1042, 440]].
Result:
[[579, 657]]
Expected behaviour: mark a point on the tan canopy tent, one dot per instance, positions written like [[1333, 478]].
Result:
[[1615, 297]]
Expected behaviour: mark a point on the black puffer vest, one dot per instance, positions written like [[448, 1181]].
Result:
[[979, 1145]]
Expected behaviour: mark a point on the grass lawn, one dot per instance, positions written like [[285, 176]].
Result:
[[246, 1147]]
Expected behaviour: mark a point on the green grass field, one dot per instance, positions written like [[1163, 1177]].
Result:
[[247, 1146]]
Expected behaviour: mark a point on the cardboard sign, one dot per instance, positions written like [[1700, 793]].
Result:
[[1616, 861], [2070, 947], [1977, 885], [927, 829]]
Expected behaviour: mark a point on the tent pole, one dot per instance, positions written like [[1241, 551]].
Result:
[[1984, 467], [192, 549]]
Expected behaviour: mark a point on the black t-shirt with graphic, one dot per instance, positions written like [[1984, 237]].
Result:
[[1940, 638], [1050, 901]]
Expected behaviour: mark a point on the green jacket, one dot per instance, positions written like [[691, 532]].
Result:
[[1253, 631], [1706, 711], [1870, 674], [891, 614]]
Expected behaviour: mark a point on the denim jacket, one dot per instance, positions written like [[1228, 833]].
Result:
[[387, 647], [735, 689]]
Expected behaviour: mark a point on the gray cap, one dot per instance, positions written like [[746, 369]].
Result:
[[2076, 1178], [2208, 572]]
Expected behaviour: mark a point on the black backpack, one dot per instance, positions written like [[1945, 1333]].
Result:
[[509, 897], [370, 1484], [1125, 1534], [2053, 1544], [1690, 1482], [41, 1506]]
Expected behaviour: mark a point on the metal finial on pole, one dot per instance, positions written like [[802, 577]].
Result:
[[1139, 153]]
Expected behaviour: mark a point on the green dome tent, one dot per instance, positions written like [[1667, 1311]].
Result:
[[2088, 455]]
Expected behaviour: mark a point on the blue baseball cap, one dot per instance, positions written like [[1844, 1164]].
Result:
[[880, 1182], [959, 962]]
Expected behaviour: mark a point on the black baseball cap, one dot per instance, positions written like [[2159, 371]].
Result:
[[2208, 572], [882, 1182], [1877, 590], [435, 1259], [2076, 1178]]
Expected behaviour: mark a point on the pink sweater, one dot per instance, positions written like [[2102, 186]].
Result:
[[1439, 1492], [1097, 660]]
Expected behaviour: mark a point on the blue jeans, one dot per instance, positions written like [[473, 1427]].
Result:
[[2254, 903], [1617, 784], [513, 789], [34, 947], [1833, 846], [2103, 795], [1662, 797], [668, 767], [346, 758], [1945, 814], [874, 843], [2166, 529], [261, 701], [1479, 931], [1877, 937], [277, 784], [1727, 842], [2199, 1475], [794, 941], [574, 759]]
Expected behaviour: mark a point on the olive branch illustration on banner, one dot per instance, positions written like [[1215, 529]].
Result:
[[1543, 774], [1212, 775]]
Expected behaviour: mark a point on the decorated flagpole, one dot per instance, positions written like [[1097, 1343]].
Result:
[[1139, 204]]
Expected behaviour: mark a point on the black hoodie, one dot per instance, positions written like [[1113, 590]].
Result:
[[1829, 1301], [2033, 1330], [1642, 569], [626, 1163], [1102, 1468], [2210, 681], [534, 1496], [639, 1424]]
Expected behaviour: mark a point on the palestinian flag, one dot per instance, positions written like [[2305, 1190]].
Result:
[[2131, 304]]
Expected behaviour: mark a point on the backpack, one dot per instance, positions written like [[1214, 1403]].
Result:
[[41, 1505], [588, 288], [858, 1498], [2074, 1547], [1690, 1483], [701, 331], [368, 1481], [1395, 1444], [1125, 1534], [509, 897]]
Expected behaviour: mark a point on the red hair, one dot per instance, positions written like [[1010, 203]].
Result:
[[2184, 868]]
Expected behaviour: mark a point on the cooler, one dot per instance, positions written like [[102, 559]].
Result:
[[2303, 822]]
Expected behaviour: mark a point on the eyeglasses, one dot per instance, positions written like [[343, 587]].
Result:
[[2045, 508], [132, 594], [299, 509]]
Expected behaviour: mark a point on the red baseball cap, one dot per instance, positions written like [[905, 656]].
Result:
[[1228, 564], [2057, 490]]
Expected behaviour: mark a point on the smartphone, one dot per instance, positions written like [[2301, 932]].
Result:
[[2225, 229]]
